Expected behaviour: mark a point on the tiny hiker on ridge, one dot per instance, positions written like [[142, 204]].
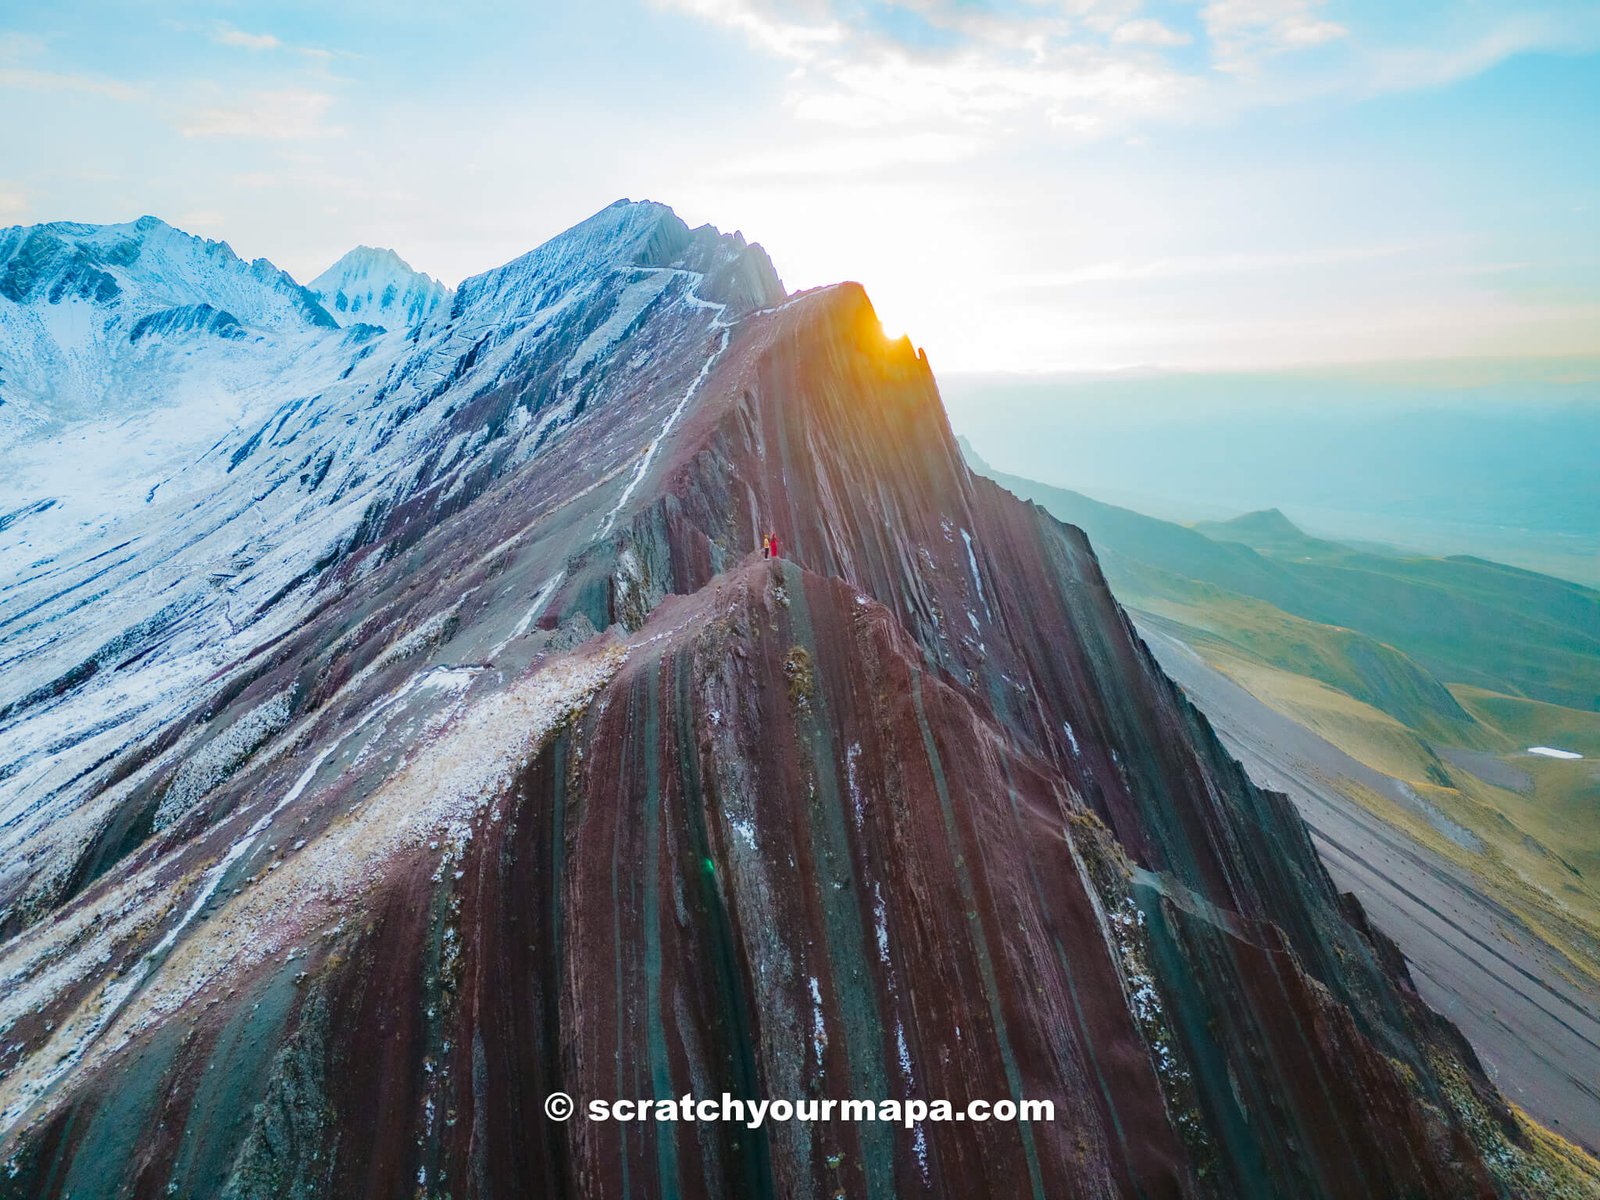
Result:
[[766, 545], [772, 544]]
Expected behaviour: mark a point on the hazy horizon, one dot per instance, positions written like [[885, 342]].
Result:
[[1501, 468]]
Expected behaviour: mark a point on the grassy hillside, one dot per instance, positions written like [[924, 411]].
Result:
[[1344, 659], [1467, 619], [1463, 620]]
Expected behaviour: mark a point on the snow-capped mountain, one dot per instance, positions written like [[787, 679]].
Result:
[[99, 323], [199, 524], [397, 727], [84, 309], [377, 287]]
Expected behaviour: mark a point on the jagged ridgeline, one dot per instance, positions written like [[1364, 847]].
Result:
[[411, 730]]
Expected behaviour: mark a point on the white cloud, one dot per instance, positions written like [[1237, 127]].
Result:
[[1435, 64], [1148, 32], [249, 41], [1057, 66], [1244, 32], [763, 22], [242, 39], [17, 55], [1099, 66], [1083, 69], [283, 114], [1076, 88]]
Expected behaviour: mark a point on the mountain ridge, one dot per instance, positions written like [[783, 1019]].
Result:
[[519, 770]]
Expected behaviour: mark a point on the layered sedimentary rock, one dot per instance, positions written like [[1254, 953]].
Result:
[[551, 784]]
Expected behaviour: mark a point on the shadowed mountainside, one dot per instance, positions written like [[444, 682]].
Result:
[[1443, 767]]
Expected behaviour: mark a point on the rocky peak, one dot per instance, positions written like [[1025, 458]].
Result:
[[370, 285]]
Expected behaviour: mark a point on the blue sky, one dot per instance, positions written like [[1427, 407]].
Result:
[[1030, 185]]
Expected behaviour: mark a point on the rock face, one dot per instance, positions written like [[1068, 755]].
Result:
[[518, 772]]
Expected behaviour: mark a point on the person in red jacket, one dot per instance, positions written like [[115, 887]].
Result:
[[772, 541]]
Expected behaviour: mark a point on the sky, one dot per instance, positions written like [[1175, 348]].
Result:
[[1027, 185]]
